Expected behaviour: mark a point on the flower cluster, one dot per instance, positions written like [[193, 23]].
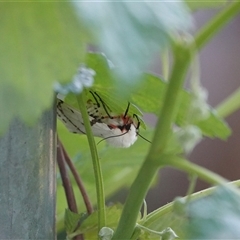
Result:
[[84, 78]]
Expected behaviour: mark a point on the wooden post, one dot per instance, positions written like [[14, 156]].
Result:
[[27, 180]]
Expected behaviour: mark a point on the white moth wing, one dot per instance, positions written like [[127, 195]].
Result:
[[73, 121], [100, 130], [70, 117]]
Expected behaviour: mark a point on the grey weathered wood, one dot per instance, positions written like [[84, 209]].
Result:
[[27, 180]]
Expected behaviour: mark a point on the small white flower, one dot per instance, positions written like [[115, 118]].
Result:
[[106, 233], [76, 86], [168, 234], [84, 78], [200, 108], [189, 136]]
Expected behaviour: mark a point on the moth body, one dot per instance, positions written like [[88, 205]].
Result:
[[118, 131]]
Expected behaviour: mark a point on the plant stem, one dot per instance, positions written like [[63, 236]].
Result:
[[192, 185], [71, 200], [149, 230], [165, 64], [201, 172], [229, 105], [191, 168], [182, 57], [65, 180], [149, 168], [134, 201], [214, 25], [95, 162]]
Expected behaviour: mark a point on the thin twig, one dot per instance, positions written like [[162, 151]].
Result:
[[78, 180], [65, 180], [67, 184]]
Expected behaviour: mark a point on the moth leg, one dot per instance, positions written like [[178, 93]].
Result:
[[105, 106]]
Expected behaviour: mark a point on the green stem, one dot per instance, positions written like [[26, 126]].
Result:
[[149, 230], [229, 105], [182, 56], [95, 162], [191, 168], [149, 168], [201, 172], [165, 64], [214, 25], [134, 202], [144, 209], [192, 185]]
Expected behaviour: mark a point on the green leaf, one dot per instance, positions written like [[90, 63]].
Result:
[[39, 49], [102, 66], [198, 216], [214, 217], [89, 226], [71, 221], [200, 4], [150, 96], [105, 85], [41, 42], [161, 219], [131, 33], [214, 126]]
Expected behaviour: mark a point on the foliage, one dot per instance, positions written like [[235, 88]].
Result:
[[38, 47], [44, 44], [217, 214], [159, 20]]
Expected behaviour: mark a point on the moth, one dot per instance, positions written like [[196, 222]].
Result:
[[118, 130]]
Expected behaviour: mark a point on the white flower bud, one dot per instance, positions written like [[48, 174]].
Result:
[[106, 233], [189, 137], [168, 234], [83, 78]]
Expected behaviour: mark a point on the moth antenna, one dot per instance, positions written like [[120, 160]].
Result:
[[98, 104], [126, 112], [138, 125], [105, 106], [144, 138], [112, 137]]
